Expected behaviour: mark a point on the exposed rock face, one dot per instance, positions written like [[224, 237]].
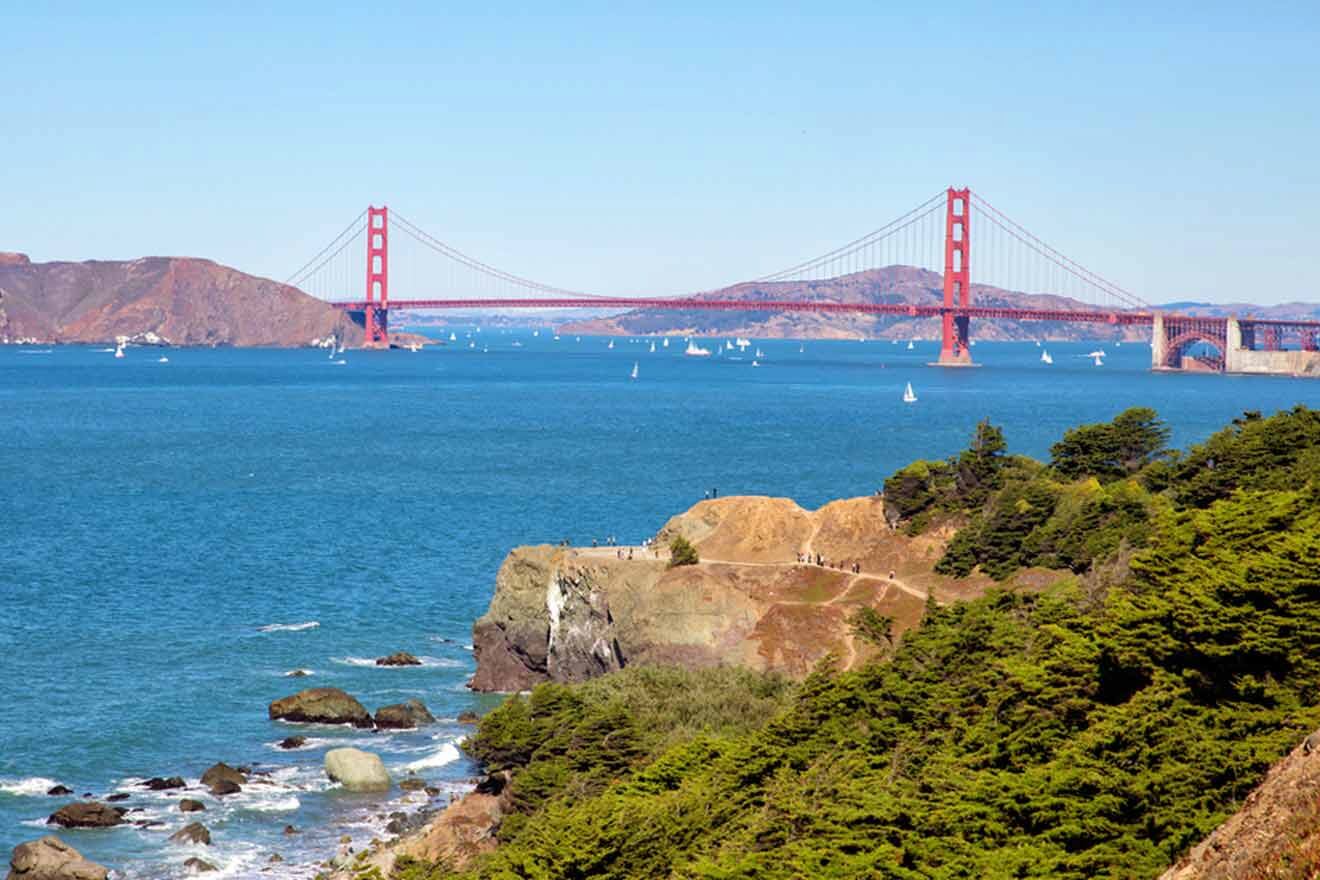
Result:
[[188, 805], [293, 742], [357, 770], [87, 814], [52, 859], [193, 832], [413, 713], [398, 658], [321, 705], [59, 790], [1278, 826], [195, 865], [463, 831], [570, 614], [184, 300]]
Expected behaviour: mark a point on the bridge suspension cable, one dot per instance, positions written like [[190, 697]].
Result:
[[338, 244], [847, 255]]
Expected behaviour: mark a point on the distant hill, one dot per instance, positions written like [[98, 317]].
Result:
[[182, 300], [892, 284], [1294, 311]]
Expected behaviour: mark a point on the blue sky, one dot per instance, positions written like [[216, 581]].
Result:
[[637, 149]]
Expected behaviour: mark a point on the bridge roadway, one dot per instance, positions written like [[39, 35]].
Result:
[[743, 305]]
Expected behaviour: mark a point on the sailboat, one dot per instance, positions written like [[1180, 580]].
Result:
[[1045, 357], [119, 349], [536, 332], [759, 353], [755, 363], [633, 374], [909, 348], [665, 344], [611, 345], [801, 348], [1038, 343], [1097, 360], [909, 396], [694, 350], [652, 348], [162, 360], [742, 342], [453, 338]]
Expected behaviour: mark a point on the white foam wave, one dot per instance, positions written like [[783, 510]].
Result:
[[299, 673], [32, 785], [446, 754], [275, 805], [432, 662], [289, 627]]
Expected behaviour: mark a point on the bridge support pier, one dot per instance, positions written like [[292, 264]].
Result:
[[955, 349]]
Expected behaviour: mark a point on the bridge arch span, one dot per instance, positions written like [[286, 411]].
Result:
[[1178, 346]]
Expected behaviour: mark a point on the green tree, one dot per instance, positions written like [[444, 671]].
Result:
[[681, 552], [1135, 438]]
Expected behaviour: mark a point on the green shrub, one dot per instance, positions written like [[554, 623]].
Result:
[[681, 552]]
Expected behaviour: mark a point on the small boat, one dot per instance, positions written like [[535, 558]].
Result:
[[119, 350], [556, 337], [741, 342], [652, 348], [665, 344], [728, 346], [801, 348], [332, 350], [633, 374], [910, 346], [472, 345], [1045, 357], [1038, 343], [909, 396], [536, 332], [1098, 354], [1096, 359], [759, 353], [453, 338], [611, 345], [755, 363], [339, 363], [162, 360], [517, 344], [485, 349], [694, 350], [415, 347]]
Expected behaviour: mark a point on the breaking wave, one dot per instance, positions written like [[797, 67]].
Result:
[[288, 627]]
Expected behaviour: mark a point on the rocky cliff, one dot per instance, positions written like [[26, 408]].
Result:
[[1276, 834], [891, 284], [567, 614], [181, 300]]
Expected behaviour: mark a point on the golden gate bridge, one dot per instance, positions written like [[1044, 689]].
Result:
[[935, 235]]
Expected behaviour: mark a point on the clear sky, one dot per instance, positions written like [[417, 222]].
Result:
[[653, 148]]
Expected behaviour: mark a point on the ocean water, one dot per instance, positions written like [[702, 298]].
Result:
[[175, 538]]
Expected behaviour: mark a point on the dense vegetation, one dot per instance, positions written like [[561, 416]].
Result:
[[681, 552], [1093, 731]]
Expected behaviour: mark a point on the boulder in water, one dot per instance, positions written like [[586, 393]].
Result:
[[52, 859], [188, 805], [193, 832], [293, 742], [195, 865], [223, 779], [89, 814], [467, 717], [58, 790], [357, 770], [118, 796], [413, 713], [156, 783], [398, 658], [322, 706], [412, 783]]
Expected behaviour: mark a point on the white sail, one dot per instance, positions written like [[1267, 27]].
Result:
[[652, 348], [633, 375], [909, 348], [611, 345], [694, 350], [909, 396], [1045, 357], [665, 344]]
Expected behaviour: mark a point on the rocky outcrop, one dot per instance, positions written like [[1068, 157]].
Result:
[[774, 590], [1276, 833], [193, 832], [184, 300], [399, 716], [222, 779], [195, 865], [87, 814], [322, 706], [57, 790], [357, 770], [52, 859], [156, 783], [398, 658], [188, 805], [293, 742]]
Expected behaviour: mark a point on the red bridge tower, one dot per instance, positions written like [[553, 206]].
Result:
[[377, 313], [954, 349]]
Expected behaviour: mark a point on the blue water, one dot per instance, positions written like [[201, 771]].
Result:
[[154, 518]]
